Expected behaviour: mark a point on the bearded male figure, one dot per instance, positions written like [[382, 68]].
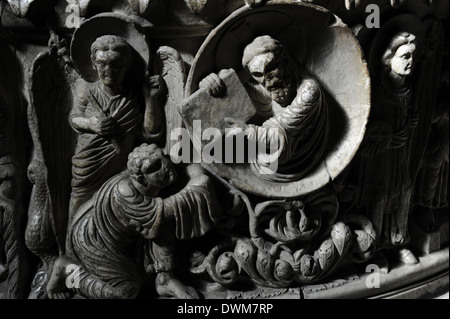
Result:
[[290, 102]]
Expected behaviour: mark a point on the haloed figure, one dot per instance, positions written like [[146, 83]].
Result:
[[108, 118], [386, 180], [267, 63], [292, 104]]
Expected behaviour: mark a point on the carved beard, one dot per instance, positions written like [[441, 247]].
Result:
[[280, 89], [281, 95]]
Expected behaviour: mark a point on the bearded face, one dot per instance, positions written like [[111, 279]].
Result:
[[272, 72]]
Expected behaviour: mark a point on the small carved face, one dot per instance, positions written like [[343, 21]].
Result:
[[402, 62], [110, 67], [271, 72]]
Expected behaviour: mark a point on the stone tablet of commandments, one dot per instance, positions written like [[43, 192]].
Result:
[[212, 111]]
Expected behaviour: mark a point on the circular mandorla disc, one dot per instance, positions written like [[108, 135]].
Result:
[[110, 23], [327, 48]]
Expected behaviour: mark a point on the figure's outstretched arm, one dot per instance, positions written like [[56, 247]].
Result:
[[152, 115]]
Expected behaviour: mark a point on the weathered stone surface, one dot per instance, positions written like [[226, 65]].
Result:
[[235, 104], [347, 92], [97, 96]]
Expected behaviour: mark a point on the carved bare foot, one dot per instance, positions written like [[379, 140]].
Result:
[[56, 287], [168, 286]]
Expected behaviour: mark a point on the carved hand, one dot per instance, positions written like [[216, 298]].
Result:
[[213, 84], [199, 180], [103, 126], [237, 127]]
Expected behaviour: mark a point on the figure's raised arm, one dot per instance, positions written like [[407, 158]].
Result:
[[152, 114]]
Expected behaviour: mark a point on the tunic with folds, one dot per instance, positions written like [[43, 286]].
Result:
[[384, 178], [105, 231], [299, 134], [98, 158]]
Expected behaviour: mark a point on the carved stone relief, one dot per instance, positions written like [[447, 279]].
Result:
[[221, 149], [319, 157], [13, 186]]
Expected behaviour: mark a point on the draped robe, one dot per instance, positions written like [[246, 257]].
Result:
[[385, 180], [105, 231], [299, 133], [98, 158]]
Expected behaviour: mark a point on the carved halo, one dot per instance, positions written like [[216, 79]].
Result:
[[327, 48], [110, 23]]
